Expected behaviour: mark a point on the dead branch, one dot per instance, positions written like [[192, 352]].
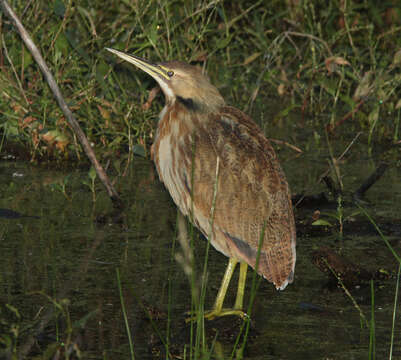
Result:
[[63, 105]]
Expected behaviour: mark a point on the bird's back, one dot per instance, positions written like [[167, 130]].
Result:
[[252, 197]]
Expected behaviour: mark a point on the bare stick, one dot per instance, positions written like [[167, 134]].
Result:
[[64, 107], [324, 176], [330, 128], [371, 180]]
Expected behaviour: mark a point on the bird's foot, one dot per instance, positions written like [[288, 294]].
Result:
[[212, 314], [215, 313]]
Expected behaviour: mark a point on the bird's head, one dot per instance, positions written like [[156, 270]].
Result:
[[180, 81]]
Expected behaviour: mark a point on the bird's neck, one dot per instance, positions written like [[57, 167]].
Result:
[[196, 102], [180, 117]]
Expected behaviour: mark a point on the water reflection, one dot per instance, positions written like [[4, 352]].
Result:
[[60, 252]]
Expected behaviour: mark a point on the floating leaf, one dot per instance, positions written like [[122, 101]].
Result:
[[321, 222]]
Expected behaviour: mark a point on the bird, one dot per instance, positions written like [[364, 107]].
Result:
[[222, 172]]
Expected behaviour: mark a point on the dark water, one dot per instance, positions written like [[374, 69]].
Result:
[[68, 248]]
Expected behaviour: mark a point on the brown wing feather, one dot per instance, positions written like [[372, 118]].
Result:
[[252, 197]]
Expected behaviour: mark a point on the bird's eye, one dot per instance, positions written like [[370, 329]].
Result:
[[170, 73]]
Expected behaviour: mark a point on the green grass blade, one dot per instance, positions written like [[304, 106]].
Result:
[[372, 338], [131, 345], [394, 312], [380, 233], [254, 288]]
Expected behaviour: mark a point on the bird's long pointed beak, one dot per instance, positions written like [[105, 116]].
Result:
[[154, 70]]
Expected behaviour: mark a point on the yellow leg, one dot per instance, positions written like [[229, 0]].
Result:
[[239, 300], [218, 305]]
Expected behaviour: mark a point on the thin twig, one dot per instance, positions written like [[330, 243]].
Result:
[[285, 143], [347, 292], [64, 107], [342, 155], [309, 36]]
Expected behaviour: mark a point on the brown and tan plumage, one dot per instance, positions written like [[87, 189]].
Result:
[[196, 131]]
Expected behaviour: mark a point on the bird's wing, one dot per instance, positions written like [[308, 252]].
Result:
[[252, 196]]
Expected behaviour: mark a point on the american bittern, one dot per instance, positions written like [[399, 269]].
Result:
[[195, 129]]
